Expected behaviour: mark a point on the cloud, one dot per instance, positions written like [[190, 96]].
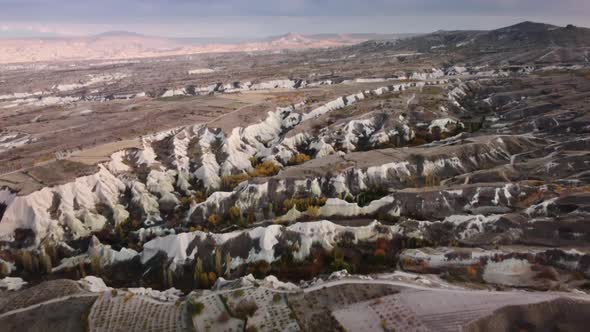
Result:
[[171, 10]]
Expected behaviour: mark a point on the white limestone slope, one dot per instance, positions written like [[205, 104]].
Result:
[[76, 210], [324, 233]]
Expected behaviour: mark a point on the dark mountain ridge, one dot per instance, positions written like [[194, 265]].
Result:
[[526, 42]]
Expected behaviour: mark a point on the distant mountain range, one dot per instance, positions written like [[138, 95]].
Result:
[[523, 42], [522, 35], [125, 45]]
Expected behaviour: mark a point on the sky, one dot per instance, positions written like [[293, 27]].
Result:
[[260, 18]]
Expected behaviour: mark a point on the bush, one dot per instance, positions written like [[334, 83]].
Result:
[[261, 269], [246, 309], [235, 215], [298, 159], [190, 90], [339, 265], [185, 202], [229, 182], [198, 197], [212, 277], [267, 168], [303, 203], [370, 195], [313, 211], [254, 161], [214, 219], [195, 308]]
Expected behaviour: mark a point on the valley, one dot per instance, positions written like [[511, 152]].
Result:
[[432, 183]]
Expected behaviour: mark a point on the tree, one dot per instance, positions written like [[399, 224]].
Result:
[[51, 251], [26, 260], [270, 210], [218, 267], [246, 309], [204, 280], [198, 197], [45, 260], [190, 90], [95, 264], [167, 276], [198, 270], [227, 265], [214, 219], [4, 270], [235, 215], [313, 211], [195, 308], [211, 278], [82, 269]]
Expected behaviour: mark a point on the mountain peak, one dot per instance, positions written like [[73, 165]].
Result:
[[528, 26], [290, 37]]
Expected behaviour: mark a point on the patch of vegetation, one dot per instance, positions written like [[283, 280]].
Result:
[[303, 204], [198, 197], [238, 293], [313, 211], [214, 220], [254, 161], [370, 195], [298, 159], [195, 308], [338, 262], [259, 269], [265, 169], [191, 90], [230, 182], [235, 214], [246, 309]]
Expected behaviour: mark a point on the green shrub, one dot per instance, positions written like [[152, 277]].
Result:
[[195, 308]]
